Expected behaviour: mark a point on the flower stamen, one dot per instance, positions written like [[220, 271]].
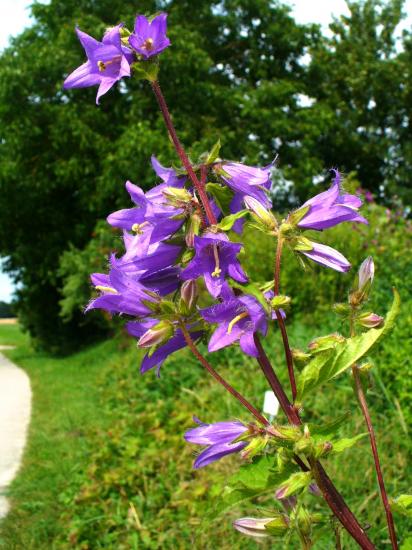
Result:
[[138, 227], [236, 320], [217, 271]]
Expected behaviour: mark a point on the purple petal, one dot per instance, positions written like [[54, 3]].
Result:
[[215, 452]]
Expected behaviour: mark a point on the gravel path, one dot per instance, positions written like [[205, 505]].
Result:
[[15, 405]]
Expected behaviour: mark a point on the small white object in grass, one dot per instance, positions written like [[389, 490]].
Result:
[[270, 404]]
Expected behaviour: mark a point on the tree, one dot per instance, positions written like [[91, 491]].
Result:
[[63, 161]]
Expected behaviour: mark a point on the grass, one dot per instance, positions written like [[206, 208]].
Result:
[[106, 465]]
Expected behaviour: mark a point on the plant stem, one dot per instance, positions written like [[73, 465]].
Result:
[[365, 410], [288, 352], [193, 348], [182, 154], [333, 498]]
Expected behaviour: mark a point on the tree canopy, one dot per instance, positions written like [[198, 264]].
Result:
[[238, 70]]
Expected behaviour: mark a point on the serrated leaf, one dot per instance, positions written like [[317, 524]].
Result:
[[251, 481], [214, 153], [222, 195], [330, 363], [346, 443], [228, 222]]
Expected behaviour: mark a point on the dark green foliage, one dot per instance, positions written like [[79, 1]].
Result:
[[6, 310]]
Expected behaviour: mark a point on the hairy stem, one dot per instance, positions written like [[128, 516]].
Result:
[[365, 410], [182, 154], [333, 498], [193, 348], [286, 346]]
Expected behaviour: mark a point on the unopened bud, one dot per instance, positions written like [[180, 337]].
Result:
[[302, 244], [256, 527], [365, 367], [256, 446], [156, 335], [177, 196], [369, 320], [189, 293], [193, 229], [260, 213], [325, 342], [279, 302], [342, 309], [366, 273], [300, 357]]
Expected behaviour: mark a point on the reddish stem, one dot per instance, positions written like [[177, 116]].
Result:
[[286, 346], [182, 154], [384, 496], [220, 379], [333, 498]]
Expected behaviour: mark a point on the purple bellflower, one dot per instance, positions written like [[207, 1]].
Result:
[[157, 358], [238, 318], [215, 258], [120, 293], [219, 439], [152, 213], [331, 207], [327, 256], [107, 62], [149, 37]]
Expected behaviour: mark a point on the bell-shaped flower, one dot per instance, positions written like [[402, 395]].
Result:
[[157, 357], [107, 62], [120, 293], [238, 318], [153, 212], [330, 208], [328, 256], [215, 259], [149, 37], [218, 438]]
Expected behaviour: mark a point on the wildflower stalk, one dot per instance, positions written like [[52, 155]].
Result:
[[360, 394], [365, 410], [333, 498], [181, 152], [193, 348], [282, 327]]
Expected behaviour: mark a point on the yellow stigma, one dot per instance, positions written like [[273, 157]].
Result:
[[236, 320], [217, 270], [138, 227], [108, 289]]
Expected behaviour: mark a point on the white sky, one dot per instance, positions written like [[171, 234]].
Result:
[[14, 17]]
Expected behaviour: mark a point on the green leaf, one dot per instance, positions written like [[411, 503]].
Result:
[[227, 222], [252, 480], [346, 443], [403, 505], [214, 153], [330, 363], [222, 195], [327, 431]]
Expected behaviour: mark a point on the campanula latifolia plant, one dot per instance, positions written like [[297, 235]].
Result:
[[180, 283]]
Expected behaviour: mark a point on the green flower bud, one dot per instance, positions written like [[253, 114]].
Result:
[[156, 335], [280, 302]]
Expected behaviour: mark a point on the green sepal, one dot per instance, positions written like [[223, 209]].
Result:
[[329, 363], [228, 222], [295, 217], [146, 70], [294, 484], [222, 195], [214, 153], [302, 244], [278, 526]]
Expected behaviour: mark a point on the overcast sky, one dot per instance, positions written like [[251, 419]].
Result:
[[14, 17]]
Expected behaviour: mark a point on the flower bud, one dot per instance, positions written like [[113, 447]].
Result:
[[369, 320], [256, 527], [189, 293], [325, 342], [177, 196], [342, 309], [366, 273], [279, 302], [260, 213], [300, 358], [156, 335], [193, 228], [256, 446]]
